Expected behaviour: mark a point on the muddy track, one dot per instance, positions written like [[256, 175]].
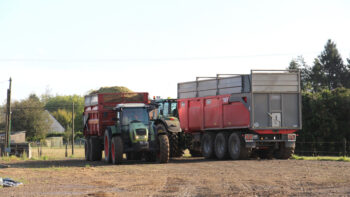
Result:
[[180, 177]]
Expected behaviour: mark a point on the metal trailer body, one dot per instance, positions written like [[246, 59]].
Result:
[[99, 113], [263, 109]]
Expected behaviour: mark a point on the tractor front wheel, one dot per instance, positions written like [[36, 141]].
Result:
[[164, 149], [117, 150]]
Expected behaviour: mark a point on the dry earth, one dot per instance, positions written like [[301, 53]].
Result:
[[180, 177]]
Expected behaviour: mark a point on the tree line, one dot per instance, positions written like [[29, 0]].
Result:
[[32, 114], [325, 102]]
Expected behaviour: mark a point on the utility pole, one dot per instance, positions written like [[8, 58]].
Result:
[[8, 120], [73, 128]]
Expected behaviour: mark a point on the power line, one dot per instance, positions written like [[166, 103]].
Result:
[[144, 59]]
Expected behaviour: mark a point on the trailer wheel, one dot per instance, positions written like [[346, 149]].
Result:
[[95, 150], [208, 145], [164, 149], [284, 152], [221, 146], [87, 149], [234, 146], [107, 145], [117, 150]]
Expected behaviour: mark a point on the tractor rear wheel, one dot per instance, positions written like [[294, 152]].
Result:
[[117, 150], [208, 145], [221, 146], [164, 149], [175, 149], [107, 145]]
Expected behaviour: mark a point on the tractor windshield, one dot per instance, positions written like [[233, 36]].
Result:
[[135, 115]]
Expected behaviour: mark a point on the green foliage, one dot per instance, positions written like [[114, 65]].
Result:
[[55, 134], [113, 89], [61, 108], [63, 117], [29, 115], [78, 135], [325, 101], [329, 70], [326, 120], [318, 158], [300, 64]]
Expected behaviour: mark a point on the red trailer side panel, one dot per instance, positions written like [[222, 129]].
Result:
[[236, 115], [195, 114], [212, 112]]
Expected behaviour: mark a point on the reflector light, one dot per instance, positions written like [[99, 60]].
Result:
[[244, 99], [291, 137], [248, 137]]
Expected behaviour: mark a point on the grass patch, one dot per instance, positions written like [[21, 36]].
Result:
[[321, 158]]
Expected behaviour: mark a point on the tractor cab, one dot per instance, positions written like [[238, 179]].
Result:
[[166, 108], [133, 125]]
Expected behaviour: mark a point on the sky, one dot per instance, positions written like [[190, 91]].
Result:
[[65, 47]]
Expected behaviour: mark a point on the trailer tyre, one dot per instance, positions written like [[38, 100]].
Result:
[[117, 150], [164, 149], [208, 145], [95, 149], [221, 146], [107, 145], [234, 146], [87, 149]]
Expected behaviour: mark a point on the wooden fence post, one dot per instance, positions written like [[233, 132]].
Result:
[[344, 153], [66, 149]]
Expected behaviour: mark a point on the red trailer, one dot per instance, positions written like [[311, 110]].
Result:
[[236, 115]]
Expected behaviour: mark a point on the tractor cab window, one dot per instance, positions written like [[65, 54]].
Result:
[[166, 109], [173, 109], [160, 109], [131, 115]]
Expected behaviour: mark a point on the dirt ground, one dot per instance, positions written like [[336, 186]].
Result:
[[180, 177]]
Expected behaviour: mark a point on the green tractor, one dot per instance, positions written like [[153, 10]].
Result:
[[135, 135], [165, 117]]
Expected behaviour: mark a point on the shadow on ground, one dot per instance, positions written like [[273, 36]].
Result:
[[83, 163]]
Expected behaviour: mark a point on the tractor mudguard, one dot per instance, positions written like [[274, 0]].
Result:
[[115, 130], [173, 126]]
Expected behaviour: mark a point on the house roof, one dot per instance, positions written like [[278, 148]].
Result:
[[55, 126]]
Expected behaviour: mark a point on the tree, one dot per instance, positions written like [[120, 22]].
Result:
[[329, 70], [300, 64], [29, 115], [61, 108]]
